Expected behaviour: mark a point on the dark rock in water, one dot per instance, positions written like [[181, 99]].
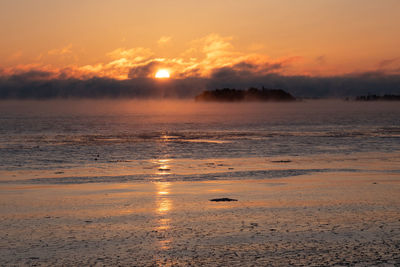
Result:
[[251, 94], [281, 161], [164, 169], [223, 199]]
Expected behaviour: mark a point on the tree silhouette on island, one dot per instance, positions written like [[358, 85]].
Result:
[[251, 94]]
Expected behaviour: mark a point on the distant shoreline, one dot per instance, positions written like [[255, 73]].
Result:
[[378, 98], [250, 95]]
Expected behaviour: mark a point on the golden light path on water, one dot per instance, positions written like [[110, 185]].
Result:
[[163, 204]]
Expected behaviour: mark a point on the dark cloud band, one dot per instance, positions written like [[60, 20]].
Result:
[[43, 85]]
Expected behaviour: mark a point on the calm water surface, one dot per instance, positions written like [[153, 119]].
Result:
[[78, 141]]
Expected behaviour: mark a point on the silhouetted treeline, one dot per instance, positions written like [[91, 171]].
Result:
[[378, 98], [251, 94]]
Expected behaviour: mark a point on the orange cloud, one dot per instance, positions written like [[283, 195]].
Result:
[[164, 40], [15, 56], [61, 51], [201, 59], [137, 54]]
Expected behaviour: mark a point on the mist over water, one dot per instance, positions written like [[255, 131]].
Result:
[[101, 136]]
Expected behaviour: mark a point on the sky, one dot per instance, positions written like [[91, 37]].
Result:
[[127, 40]]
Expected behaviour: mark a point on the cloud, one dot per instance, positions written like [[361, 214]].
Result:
[[321, 59], [137, 54], [35, 75], [204, 57], [244, 69], [388, 62], [144, 70], [15, 56], [256, 47], [210, 62], [44, 85], [61, 51], [164, 40], [391, 65], [216, 46]]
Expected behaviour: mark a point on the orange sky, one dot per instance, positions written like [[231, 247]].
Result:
[[191, 38]]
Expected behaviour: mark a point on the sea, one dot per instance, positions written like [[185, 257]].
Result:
[[122, 140]]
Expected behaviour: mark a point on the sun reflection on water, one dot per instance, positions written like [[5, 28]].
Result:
[[163, 166], [162, 209], [163, 202]]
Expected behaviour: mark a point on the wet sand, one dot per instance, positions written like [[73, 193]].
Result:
[[320, 219]]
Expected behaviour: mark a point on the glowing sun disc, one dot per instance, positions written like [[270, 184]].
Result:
[[162, 74]]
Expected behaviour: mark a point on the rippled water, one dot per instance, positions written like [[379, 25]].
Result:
[[75, 141]]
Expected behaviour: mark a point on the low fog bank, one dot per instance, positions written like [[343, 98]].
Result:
[[167, 115], [37, 85]]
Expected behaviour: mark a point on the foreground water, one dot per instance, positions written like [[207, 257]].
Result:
[[119, 141]]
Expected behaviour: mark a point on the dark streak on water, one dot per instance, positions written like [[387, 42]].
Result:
[[258, 174]]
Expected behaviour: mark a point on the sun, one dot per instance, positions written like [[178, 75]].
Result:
[[162, 74]]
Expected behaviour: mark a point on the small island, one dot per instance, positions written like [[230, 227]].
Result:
[[378, 98], [251, 94]]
